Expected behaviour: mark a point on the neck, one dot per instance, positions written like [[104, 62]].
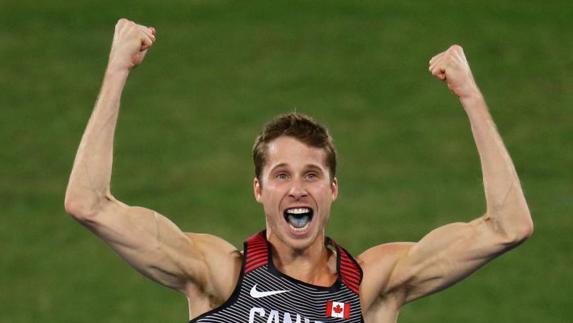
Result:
[[314, 265]]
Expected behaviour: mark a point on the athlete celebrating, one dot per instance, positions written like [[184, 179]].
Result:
[[291, 272]]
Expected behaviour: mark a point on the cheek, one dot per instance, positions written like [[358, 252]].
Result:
[[325, 198], [275, 189], [324, 191], [270, 197]]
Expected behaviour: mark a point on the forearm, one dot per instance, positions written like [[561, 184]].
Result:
[[90, 179], [506, 206]]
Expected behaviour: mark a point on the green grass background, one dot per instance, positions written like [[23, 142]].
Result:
[[218, 71]]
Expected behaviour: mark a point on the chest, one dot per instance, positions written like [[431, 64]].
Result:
[[263, 295]]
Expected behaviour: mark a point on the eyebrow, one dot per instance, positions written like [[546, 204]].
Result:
[[278, 166], [314, 167], [308, 166]]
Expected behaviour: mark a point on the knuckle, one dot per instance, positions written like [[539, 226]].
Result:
[[123, 21], [456, 47]]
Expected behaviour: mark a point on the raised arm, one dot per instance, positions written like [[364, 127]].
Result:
[[151, 243], [89, 185], [452, 252]]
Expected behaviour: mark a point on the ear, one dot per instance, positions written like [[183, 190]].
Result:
[[334, 188], [257, 189]]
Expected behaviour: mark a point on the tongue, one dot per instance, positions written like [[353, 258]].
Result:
[[298, 221]]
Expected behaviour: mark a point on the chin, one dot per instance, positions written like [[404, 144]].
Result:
[[299, 240]]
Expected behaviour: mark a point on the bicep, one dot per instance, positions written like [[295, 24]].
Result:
[[150, 243], [445, 256]]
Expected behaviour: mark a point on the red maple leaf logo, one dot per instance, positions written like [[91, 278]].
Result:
[[337, 309]]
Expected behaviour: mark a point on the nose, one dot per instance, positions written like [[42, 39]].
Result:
[[297, 190]]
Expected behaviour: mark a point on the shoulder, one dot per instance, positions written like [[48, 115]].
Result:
[[379, 266], [222, 263], [384, 253]]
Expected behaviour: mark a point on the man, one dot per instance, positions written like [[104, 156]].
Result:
[[291, 272]]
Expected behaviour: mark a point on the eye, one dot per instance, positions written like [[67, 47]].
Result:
[[311, 176], [281, 176]]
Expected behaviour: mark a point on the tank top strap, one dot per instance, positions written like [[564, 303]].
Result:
[[348, 269], [256, 252]]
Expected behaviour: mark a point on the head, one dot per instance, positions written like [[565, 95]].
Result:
[[295, 178]]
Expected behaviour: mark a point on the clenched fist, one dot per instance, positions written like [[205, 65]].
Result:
[[452, 67], [130, 44]]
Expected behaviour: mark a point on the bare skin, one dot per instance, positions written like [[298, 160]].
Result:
[[206, 268]]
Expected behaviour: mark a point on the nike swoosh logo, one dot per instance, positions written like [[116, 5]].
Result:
[[256, 294]]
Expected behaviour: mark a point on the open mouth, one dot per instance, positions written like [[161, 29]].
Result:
[[298, 218]]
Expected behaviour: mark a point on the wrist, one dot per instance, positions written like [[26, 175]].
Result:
[[115, 70], [114, 78], [471, 98], [475, 107], [470, 91]]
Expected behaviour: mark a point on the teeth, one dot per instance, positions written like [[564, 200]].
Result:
[[300, 210]]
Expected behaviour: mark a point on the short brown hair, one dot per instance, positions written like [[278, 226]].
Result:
[[297, 126]]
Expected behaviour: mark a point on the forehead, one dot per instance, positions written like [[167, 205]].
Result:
[[292, 152]]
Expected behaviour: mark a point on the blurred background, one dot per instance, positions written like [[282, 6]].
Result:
[[219, 70]]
